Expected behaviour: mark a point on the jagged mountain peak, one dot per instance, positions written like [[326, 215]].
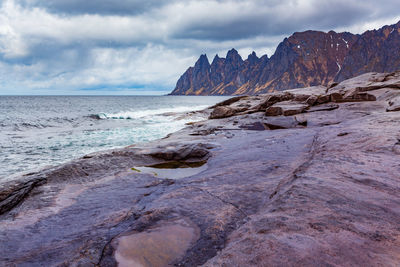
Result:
[[216, 60], [303, 59], [233, 56], [232, 52], [203, 59], [253, 55], [253, 58]]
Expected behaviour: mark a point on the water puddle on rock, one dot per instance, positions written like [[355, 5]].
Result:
[[173, 169], [156, 247]]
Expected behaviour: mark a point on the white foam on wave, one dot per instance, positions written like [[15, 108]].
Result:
[[139, 114]]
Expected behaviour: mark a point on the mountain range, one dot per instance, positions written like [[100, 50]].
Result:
[[304, 59]]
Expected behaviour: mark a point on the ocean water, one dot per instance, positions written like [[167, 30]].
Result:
[[41, 131]]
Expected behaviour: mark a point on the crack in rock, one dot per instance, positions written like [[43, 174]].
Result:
[[222, 200], [287, 182]]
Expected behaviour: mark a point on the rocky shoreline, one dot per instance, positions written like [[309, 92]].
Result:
[[303, 177]]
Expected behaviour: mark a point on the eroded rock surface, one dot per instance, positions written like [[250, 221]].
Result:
[[319, 188]]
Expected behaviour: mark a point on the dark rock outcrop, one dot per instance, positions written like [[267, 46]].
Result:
[[302, 60]]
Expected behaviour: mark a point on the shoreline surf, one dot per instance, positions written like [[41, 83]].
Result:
[[40, 138]]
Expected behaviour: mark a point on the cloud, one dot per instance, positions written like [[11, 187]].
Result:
[[102, 7], [68, 45], [151, 67]]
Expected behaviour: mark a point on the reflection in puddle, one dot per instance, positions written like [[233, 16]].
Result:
[[155, 247], [173, 169]]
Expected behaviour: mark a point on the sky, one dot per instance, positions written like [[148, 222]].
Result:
[[138, 47]]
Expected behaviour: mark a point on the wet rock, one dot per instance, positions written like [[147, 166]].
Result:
[[158, 246]]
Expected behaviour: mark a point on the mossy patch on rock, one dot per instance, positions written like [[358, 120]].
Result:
[[136, 170]]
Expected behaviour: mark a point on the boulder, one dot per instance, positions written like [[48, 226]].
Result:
[[222, 112], [286, 108]]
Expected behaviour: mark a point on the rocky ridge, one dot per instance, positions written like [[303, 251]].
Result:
[[304, 177], [304, 59]]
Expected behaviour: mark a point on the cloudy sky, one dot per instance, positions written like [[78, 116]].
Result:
[[143, 46]]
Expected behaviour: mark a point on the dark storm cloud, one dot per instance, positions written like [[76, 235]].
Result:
[[104, 7], [271, 19]]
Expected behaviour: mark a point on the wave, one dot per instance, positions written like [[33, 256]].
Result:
[[28, 125], [37, 123], [139, 114]]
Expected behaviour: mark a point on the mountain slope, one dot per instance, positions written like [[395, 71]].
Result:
[[377, 50], [304, 59]]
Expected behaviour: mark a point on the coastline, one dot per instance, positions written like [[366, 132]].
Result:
[[300, 177], [60, 129]]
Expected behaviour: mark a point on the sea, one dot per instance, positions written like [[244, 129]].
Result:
[[43, 131]]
